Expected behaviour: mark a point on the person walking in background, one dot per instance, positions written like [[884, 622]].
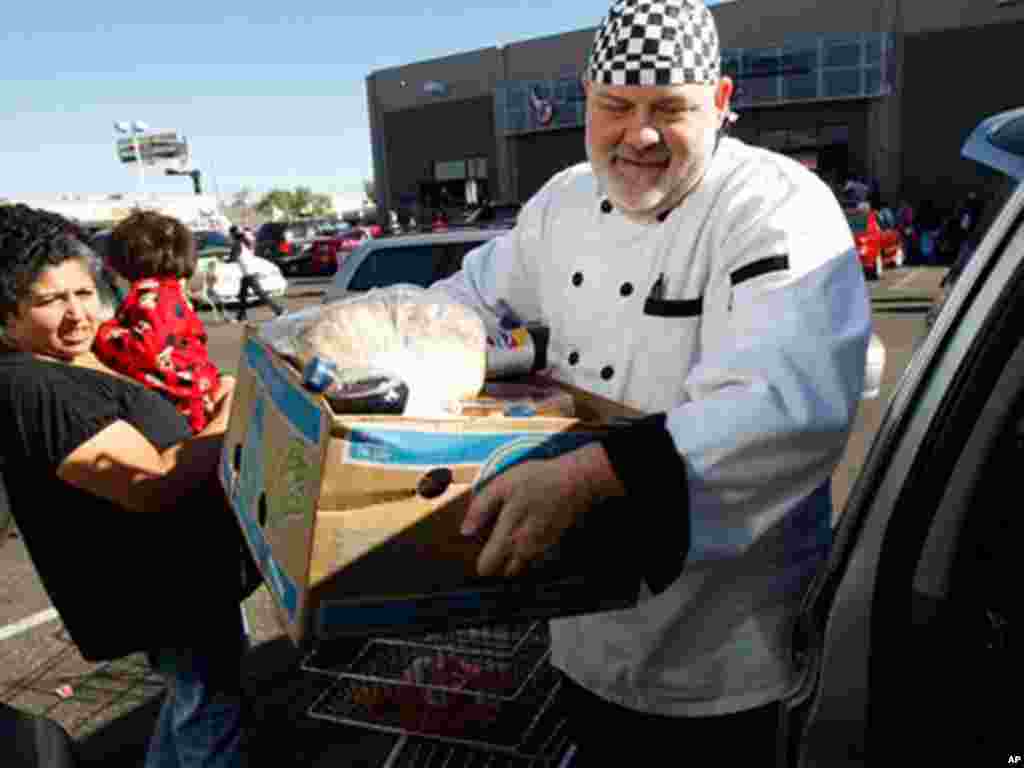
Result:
[[905, 223], [242, 253]]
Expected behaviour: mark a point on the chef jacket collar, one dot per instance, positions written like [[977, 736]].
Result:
[[607, 207]]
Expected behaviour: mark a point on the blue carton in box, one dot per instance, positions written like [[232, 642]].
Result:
[[350, 543]]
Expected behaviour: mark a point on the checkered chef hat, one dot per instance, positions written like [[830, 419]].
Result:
[[655, 42]]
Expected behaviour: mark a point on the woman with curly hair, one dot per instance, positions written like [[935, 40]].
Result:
[[110, 490]]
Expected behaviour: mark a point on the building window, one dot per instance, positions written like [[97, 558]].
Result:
[[477, 167], [873, 51], [873, 80], [449, 170], [800, 87], [842, 52], [842, 83]]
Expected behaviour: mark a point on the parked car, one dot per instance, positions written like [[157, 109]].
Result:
[[332, 247], [911, 635], [286, 244], [218, 279], [878, 241], [419, 259], [1003, 170], [210, 242]]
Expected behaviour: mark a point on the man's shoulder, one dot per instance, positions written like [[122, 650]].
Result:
[[749, 162], [755, 173], [575, 181]]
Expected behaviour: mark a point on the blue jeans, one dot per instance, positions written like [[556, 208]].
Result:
[[200, 722]]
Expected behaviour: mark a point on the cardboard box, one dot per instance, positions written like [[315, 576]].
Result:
[[330, 508]]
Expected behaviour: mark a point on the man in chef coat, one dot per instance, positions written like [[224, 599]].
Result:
[[715, 286]]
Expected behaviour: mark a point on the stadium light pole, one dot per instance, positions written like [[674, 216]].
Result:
[[134, 128]]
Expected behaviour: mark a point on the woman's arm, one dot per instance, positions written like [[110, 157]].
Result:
[[121, 465]]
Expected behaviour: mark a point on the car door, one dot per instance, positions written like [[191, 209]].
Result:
[[913, 630]]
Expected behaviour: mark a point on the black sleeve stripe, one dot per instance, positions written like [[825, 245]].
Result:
[[760, 267], [645, 459], [674, 307]]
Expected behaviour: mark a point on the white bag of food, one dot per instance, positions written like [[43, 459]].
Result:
[[438, 348]]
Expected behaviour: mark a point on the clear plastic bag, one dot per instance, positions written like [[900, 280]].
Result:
[[435, 346]]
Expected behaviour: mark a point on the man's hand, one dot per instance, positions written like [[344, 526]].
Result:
[[534, 503]]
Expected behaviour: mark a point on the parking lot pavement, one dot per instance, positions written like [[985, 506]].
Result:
[[279, 733]]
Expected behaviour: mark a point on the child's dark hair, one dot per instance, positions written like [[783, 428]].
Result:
[[150, 244]]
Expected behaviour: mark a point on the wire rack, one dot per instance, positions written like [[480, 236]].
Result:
[[423, 753], [473, 719], [499, 641]]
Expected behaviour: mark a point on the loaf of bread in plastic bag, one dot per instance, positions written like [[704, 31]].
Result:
[[437, 347]]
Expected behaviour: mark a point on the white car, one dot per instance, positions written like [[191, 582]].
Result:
[[217, 279]]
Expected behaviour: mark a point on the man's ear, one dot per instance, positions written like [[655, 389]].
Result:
[[723, 93]]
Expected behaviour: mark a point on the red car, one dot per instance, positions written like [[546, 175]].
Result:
[[880, 247], [328, 251]]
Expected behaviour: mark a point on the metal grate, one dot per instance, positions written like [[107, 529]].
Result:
[[496, 639], [499, 641], [441, 671], [458, 717]]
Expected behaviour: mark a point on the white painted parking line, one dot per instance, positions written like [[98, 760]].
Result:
[[28, 623], [902, 282]]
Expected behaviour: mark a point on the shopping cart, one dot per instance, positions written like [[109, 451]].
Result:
[[478, 696]]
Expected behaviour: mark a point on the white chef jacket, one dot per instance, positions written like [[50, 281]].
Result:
[[742, 318]]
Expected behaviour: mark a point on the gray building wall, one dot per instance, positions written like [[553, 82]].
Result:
[[952, 79], [922, 16], [452, 130], [906, 140], [755, 23], [541, 155]]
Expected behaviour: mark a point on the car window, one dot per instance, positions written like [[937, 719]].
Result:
[[212, 240], [388, 266], [451, 261], [996, 190]]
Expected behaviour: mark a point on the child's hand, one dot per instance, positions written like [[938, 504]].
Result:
[[226, 388], [220, 405]]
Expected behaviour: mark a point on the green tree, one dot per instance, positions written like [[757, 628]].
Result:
[[293, 204], [322, 205], [369, 189], [302, 201], [276, 201]]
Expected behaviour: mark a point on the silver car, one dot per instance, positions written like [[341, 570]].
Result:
[[911, 637]]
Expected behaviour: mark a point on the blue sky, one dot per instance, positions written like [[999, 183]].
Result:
[[268, 95]]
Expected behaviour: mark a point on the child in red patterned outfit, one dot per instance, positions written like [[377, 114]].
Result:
[[156, 337]]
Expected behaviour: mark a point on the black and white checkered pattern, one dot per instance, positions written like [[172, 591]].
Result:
[[655, 42]]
